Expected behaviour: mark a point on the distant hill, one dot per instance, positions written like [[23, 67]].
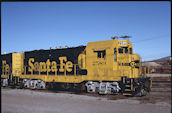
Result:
[[161, 60], [162, 65], [151, 64]]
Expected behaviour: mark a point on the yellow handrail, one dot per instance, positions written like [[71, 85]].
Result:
[[74, 69], [148, 69], [145, 73]]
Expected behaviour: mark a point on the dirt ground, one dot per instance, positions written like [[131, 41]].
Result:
[[34, 101]]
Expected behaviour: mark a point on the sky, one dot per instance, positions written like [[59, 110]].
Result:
[[27, 26]]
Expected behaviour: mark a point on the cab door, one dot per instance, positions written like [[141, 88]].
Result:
[[123, 61]]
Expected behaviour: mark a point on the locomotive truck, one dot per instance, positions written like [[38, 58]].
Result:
[[104, 67]]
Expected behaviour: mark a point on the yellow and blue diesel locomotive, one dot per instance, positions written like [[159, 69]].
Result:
[[104, 67]]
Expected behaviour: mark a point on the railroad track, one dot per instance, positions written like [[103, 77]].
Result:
[[161, 83]]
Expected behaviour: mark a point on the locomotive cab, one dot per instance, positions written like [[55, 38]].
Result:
[[110, 60], [113, 61], [125, 60]]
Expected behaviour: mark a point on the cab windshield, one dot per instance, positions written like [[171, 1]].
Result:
[[123, 50]]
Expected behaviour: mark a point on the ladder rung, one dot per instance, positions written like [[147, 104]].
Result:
[[127, 85], [127, 89], [127, 94]]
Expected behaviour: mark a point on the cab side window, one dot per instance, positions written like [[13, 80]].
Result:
[[126, 50], [101, 54], [120, 50], [115, 54], [131, 52]]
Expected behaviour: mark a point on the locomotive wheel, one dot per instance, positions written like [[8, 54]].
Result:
[[96, 90], [49, 86], [21, 85], [147, 86], [81, 87], [141, 91]]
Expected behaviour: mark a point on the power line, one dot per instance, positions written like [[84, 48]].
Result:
[[147, 39]]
